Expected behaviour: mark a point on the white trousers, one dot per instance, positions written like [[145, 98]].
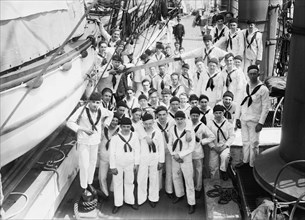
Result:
[[215, 164], [148, 172], [102, 176], [168, 173], [123, 185], [87, 157], [184, 170], [250, 139], [198, 166]]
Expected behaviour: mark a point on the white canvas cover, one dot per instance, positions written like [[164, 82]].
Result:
[[30, 29]]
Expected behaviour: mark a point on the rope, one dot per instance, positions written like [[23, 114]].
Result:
[[225, 194], [22, 208], [108, 63], [42, 72], [80, 205], [159, 31]]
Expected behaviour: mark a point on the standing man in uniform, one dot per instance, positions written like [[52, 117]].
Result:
[[220, 148], [253, 45], [178, 31], [107, 134], [124, 161], [234, 78], [203, 136], [219, 32], [235, 39], [182, 166], [87, 124], [151, 161], [253, 113]]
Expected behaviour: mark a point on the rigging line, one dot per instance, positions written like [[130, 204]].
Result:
[[147, 29], [106, 66], [134, 17], [141, 20], [165, 25], [42, 72]]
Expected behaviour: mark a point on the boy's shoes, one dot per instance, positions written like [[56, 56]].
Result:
[[191, 209], [170, 195], [224, 175], [115, 209], [135, 206], [177, 199], [152, 204], [92, 189]]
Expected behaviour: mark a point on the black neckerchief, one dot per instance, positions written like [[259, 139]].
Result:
[[229, 79], [196, 129], [99, 115], [171, 114], [207, 53], [230, 42], [210, 83], [163, 130], [227, 113], [188, 79], [106, 133], [252, 39], [126, 143], [174, 93], [220, 130], [249, 96], [152, 146], [221, 34], [203, 118], [178, 140]]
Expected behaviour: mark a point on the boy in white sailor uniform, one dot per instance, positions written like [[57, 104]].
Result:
[[200, 69], [107, 133], [230, 107], [253, 45], [174, 106], [235, 39], [253, 113], [166, 96], [205, 109], [151, 161], [182, 166], [87, 124], [186, 79], [136, 121], [220, 147], [207, 52], [162, 80], [176, 87], [234, 78], [203, 136], [112, 75], [163, 123], [130, 100], [108, 101], [219, 32], [213, 84], [124, 161]]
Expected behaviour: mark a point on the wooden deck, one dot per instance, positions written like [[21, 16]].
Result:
[[165, 209], [214, 210]]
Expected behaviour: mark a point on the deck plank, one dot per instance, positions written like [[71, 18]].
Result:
[[219, 211]]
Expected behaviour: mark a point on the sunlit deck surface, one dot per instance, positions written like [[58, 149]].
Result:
[[165, 209]]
